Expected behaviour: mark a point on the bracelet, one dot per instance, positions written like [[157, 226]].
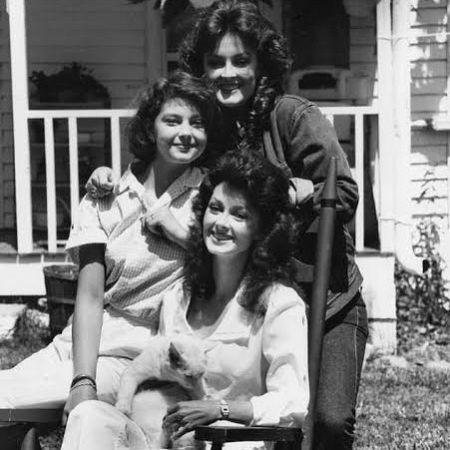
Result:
[[84, 383], [224, 409], [80, 377]]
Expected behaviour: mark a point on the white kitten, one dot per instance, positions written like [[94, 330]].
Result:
[[172, 368]]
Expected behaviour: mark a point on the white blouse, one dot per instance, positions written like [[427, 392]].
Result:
[[258, 358]]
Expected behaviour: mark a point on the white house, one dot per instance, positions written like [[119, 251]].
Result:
[[378, 69]]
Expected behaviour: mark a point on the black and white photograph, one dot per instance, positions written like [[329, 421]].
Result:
[[224, 224]]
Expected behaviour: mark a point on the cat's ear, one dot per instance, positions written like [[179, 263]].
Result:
[[175, 357]]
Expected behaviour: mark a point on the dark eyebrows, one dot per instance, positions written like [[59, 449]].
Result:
[[237, 55], [170, 116]]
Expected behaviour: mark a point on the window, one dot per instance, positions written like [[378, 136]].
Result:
[[318, 33]]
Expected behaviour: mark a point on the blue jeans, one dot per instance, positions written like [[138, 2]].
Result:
[[342, 357]]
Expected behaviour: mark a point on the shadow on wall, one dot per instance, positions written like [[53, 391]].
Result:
[[428, 54]]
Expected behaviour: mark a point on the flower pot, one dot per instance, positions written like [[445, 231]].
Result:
[[61, 287]]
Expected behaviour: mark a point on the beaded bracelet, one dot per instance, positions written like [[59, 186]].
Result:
[[85, 383], [80, 377]]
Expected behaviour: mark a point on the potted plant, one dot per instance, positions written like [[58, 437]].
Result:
[[73, 83]]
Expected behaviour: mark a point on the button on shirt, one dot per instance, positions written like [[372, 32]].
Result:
[[140, 265], [249, 357]]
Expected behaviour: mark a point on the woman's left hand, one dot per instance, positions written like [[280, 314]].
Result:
[[159, 220], [185, 416]]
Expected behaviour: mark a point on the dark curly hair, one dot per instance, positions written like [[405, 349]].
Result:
[[179, 84], [266, 188], [241, 18]]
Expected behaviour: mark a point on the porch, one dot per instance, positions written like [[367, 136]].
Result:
[[361, 104]]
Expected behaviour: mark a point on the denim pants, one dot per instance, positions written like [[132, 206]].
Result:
[[342, 357]]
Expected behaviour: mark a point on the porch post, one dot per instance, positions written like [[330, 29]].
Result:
[[19, 80], [386, 131], [402, 131]]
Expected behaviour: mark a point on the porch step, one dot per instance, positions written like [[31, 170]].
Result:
[[378, 291], [22, 275]]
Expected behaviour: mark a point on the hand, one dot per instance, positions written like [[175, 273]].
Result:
[[300, 190], [101, 182], [185, 416], [159, 220], [77, 395]]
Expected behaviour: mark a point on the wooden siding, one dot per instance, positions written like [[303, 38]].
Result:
[[7, 203], [430, 66], [429, 61], [363, 53], [107, 36], [429, 173]]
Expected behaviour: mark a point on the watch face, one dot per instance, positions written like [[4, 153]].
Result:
[[224, 409]]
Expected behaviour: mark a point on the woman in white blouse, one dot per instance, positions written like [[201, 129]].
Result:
[[236, 297]]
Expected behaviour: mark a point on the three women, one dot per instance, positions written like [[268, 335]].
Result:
[[240, 51]]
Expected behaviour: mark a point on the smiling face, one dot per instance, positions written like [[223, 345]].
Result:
[[230, 223], [180, 132], [233, 68]]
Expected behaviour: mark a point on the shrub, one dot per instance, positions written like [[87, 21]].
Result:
[[73, 83], [422, 305]]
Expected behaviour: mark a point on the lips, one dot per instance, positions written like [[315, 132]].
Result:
[[229, 86], [184, 148]]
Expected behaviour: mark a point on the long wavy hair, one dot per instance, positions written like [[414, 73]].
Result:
[[178, 85], [244, 19], [266, 188]]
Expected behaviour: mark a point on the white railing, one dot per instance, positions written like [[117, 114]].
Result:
[[357, 113], [72, 116]]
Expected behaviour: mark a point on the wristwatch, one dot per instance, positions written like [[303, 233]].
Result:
[[224, 409]]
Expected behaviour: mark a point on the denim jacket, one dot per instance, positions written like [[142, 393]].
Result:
[[309, 141]]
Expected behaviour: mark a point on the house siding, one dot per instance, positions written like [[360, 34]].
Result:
[[107, 36], [430, 66], [363, 54]]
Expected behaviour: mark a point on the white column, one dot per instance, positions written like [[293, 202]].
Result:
[[386, 133], [19, 79], [402, 135]]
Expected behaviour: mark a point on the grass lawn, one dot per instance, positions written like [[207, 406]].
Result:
[[398, 408], [403, 408]]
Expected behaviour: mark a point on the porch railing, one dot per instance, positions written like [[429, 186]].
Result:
[[356, 113], [72, 116]]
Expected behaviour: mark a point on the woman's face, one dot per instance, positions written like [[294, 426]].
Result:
[[180, 132], [233, 68], [230, 224]]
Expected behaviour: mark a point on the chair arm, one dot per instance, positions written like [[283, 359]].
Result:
[[235, 434], [34, 415]]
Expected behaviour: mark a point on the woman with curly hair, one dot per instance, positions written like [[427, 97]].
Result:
[[239, 50], [130, 249], [237, 298]]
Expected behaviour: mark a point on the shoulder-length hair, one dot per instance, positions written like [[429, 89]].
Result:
[[193, 90], [241, 18], [266, 188]]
